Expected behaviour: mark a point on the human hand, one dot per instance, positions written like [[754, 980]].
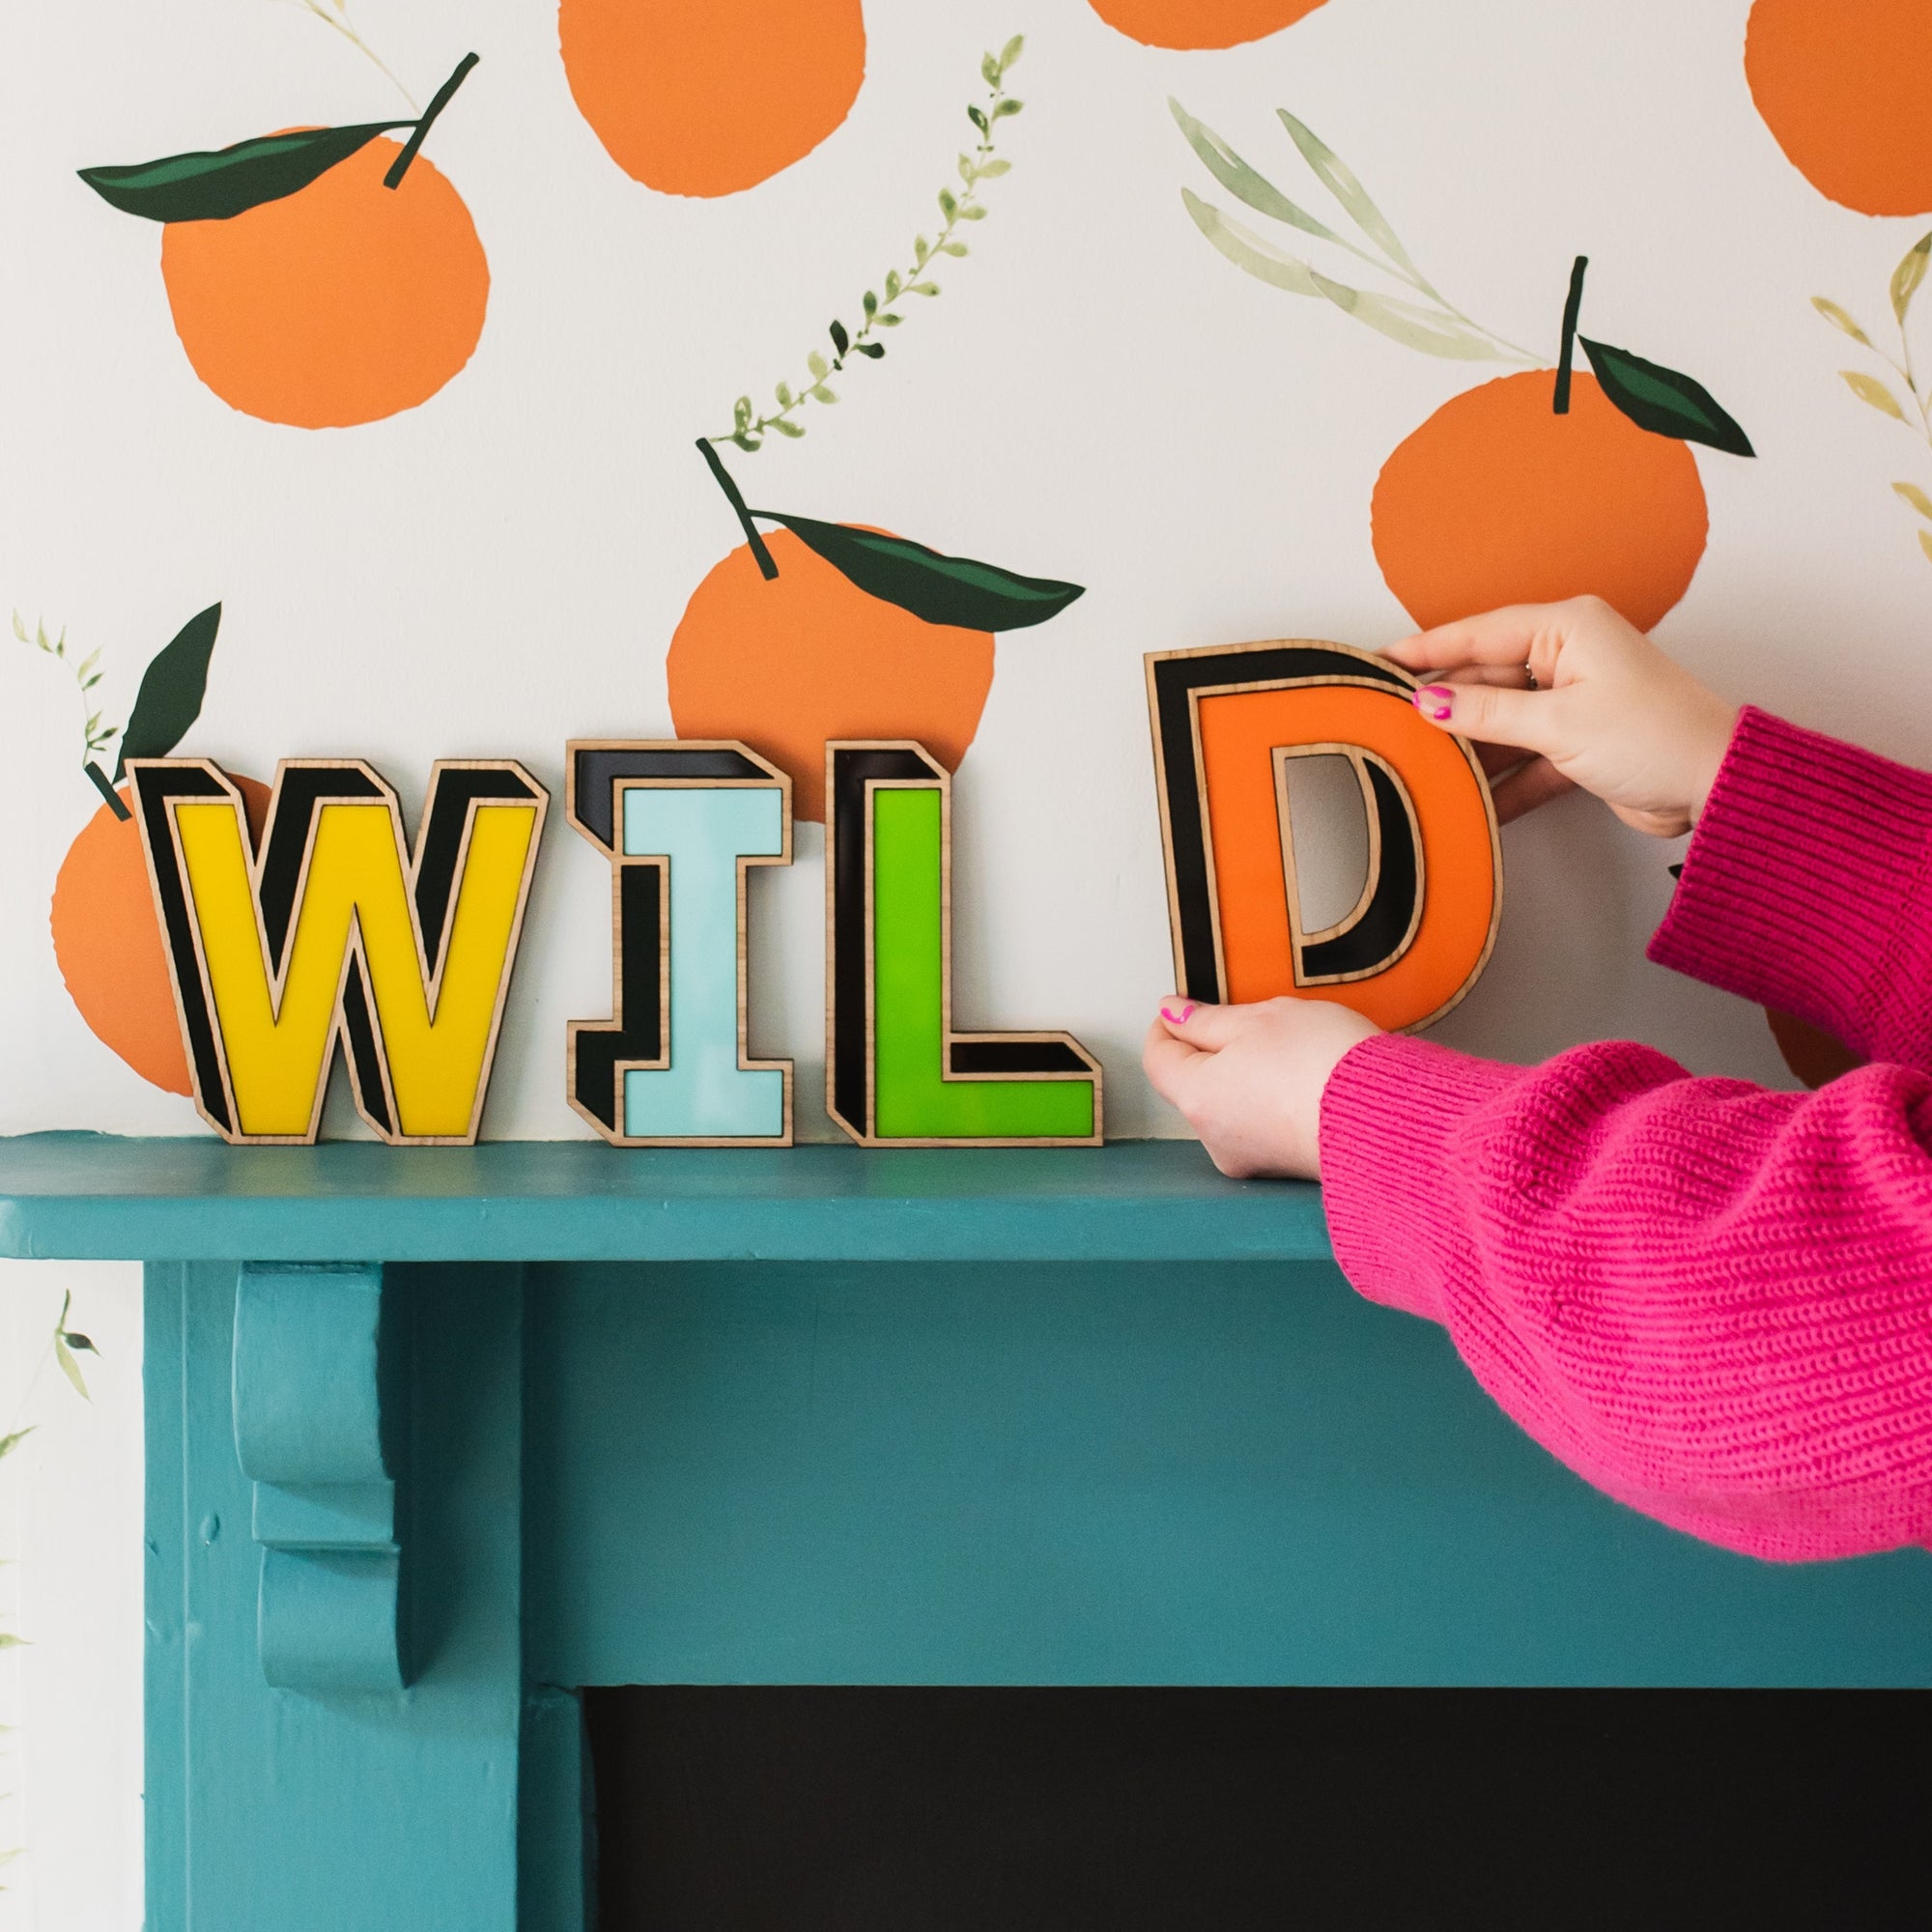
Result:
[[1607, 710], [1248, 1079]]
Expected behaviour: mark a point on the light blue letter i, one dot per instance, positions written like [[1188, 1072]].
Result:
[[708, 1093]]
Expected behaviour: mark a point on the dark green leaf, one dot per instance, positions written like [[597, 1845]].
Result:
[[211, 187], [870, 305], [941, 589], [81, 1342], [841, 341], [873, 348], [172, 689], [977, 118], [1662, 400]]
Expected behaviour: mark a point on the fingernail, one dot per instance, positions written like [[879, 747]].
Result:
[[1181, 1018], [1433, 701]]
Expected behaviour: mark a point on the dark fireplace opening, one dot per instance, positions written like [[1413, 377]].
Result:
[[808, 1809]]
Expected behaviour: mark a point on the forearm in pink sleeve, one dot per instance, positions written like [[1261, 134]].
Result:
[[1713, 1301], [1808, 887]]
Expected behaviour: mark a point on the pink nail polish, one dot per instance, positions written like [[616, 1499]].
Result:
[[1181, 1018], [1440, 713]]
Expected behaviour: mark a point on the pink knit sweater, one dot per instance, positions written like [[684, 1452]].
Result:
[[1713, 1301]]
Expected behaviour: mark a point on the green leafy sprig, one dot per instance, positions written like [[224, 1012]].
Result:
[[96, 737], [750, 430], [1876, 394], [167, 704]]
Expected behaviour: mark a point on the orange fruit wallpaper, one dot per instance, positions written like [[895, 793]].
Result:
[[1201, 23], [712, 97], [340, 304], [829, 369], [1496, 500], [1842, 86]]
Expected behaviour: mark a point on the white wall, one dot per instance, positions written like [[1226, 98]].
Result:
[[71, 1541]]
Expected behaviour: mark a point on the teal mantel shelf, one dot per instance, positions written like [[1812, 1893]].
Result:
[[94, 1196]]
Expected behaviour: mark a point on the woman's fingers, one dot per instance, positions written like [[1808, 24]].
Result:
[[1164, 1060], [1491, 715], [1531, 783], [1203, 1027], [1519, 633]]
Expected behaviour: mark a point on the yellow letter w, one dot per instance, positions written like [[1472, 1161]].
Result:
[[336, 932]]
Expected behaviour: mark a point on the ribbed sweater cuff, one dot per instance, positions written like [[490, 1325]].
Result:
[[1390, 1113], [1794, 877]]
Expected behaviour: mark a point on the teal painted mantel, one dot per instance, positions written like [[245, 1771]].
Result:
[[94, 1197], [438, 1438]]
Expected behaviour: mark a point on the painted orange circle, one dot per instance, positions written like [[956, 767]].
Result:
[[789, 663], [1841, 84], [107, 942], [1496, 500], [339, 304], [1201, 23], [709, 96]]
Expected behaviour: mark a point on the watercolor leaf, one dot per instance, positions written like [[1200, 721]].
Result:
[[1838, 318], [1925, 543], [213, 186], [941, 589], [1407, 323], [1664, 401], [9, 1443], [69, 1368], [8, 1641], [1910, 272], [1242, 181], [1247, 250], [1870, 389], [1912, 493], [171, 693], [1340, 181]]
